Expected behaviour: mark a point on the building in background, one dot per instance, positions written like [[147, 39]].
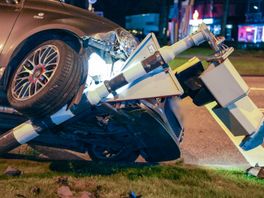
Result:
[[251, 34], [143, 24], [212, 13], [241, 20], [255, 11], [127, 12]]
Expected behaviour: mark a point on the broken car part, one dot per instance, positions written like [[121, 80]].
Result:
[[232, 98]]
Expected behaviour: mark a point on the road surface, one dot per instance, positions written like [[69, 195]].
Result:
[[205, 143]]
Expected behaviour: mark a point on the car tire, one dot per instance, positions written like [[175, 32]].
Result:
[[50, 76]]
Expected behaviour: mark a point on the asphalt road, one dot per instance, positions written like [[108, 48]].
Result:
[[205, 143]]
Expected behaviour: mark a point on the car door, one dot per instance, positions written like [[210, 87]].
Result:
[[9, 11]]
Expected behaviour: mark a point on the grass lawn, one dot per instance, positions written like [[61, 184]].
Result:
[[249, 62], [112, 181]]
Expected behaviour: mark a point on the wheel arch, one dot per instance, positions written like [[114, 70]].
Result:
[[73, 40]]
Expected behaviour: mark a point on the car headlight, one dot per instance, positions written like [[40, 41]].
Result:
[[126, 40], [119, 43], [108, 54]]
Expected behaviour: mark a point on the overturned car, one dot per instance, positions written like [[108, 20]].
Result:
[[73, 80]]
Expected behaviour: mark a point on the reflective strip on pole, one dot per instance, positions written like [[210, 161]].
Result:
[[25, 132]]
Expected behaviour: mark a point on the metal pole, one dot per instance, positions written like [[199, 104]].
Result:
[[225, 16], [178, 24]]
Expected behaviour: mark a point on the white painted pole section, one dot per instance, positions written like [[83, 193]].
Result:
[[25, 132], [96, 94], [255, 156], [100, 92], [134, 72], [62, 116], [170, 52]]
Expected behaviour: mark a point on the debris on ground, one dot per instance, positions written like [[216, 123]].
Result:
[[64, 192], [86, 195], [10, 171], [42, 156], [20, 196], [79, 185], [98, 190], [134, 195], [256, 171], [131, 195], [35, 190], [63, 181]]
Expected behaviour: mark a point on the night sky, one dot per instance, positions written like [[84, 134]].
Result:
[[116, 10]]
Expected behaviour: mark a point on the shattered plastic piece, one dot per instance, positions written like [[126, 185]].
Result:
[[254, 140], [35, 190], [20, 196], [86, 195], [261, 173], [63, 181], [256, 171], [12, 172], [127, 41], [120, 43], [64, 192], [134, 195]]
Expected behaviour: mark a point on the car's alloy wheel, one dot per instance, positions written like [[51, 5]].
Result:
[[35, 72], [45, 80]]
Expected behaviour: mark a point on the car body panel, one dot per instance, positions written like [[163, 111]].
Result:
[[40, 15], [9, 12]]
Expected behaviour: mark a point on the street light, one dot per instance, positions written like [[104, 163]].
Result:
[[91, 2]]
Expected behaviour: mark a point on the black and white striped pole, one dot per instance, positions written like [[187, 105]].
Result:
[[18, 136], [31, 129]]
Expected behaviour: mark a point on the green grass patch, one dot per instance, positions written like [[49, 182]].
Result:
[[249, 62], [113, 181]]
